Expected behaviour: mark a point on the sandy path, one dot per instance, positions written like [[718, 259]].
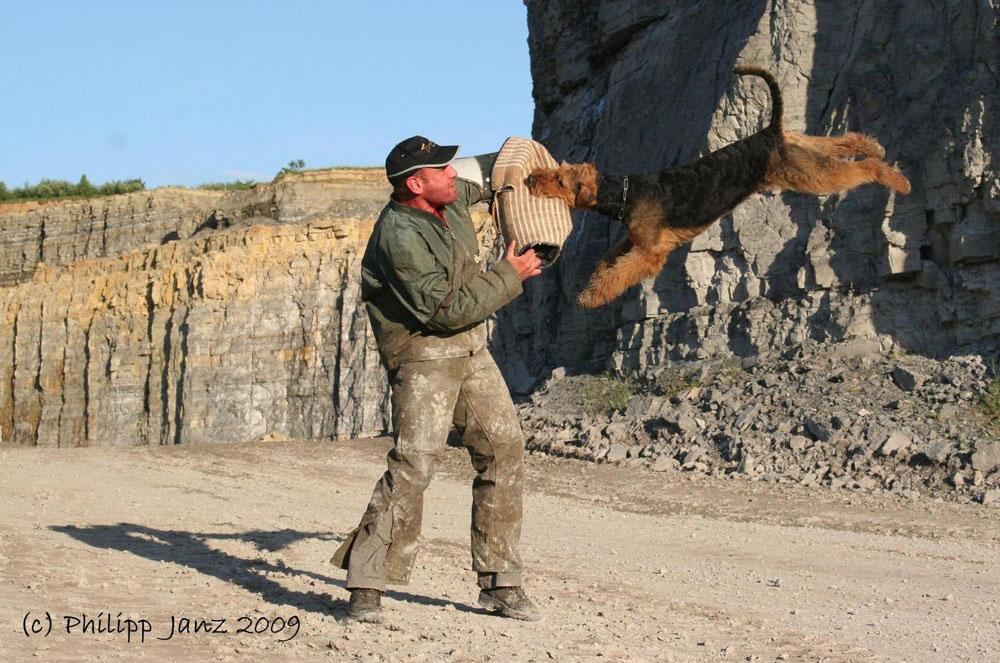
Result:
[[625, 564]]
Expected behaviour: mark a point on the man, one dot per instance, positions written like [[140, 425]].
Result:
[[427, 298]]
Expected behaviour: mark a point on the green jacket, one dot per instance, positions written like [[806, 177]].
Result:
[[423, 284]]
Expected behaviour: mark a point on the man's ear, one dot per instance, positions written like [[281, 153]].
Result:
[[415, 184]]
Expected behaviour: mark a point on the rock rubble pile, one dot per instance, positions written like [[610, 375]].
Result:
[[842, 416]]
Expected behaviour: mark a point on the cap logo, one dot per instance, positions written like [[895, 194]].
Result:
[[427, 147]]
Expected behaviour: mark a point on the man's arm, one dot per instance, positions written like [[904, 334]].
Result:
[[486, 293], [470, 193], [418, 280]]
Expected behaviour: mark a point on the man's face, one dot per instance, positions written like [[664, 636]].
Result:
[[437, 185]]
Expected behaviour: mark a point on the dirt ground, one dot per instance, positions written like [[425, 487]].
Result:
[[169, 553]]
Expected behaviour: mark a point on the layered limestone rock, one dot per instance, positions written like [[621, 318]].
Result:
[[176, 316], [634, 85], [58, 234]]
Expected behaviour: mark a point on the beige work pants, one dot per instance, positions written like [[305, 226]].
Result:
[[428, 397]]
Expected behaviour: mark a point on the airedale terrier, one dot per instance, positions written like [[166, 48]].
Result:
[[665, 209]]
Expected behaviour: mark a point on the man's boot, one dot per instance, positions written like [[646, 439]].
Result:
[[510, 602], [365, 606]]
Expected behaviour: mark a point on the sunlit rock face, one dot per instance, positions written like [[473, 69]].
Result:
[[175, 316]]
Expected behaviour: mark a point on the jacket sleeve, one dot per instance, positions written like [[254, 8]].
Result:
[[480, 297], [470, 193], [419, 281]]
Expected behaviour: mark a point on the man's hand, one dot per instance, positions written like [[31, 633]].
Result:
[[526, 265]]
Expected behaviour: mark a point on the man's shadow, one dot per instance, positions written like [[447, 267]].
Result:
[[191, 549]]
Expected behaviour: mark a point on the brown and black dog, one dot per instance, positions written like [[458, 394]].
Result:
[[665, 209]]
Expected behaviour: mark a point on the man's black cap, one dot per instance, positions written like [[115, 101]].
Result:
[[415, 153]]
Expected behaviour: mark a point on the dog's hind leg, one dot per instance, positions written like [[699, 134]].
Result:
[[861, 144], [817, 173], [848, 145]]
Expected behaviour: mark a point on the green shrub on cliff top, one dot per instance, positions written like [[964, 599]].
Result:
[[55, 189]]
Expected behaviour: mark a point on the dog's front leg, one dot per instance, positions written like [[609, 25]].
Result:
[[593, 295], [622, 267]]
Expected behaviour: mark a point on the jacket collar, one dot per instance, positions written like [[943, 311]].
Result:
[[419, 213]]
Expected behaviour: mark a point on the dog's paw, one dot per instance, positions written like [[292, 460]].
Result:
[[871, 147], [899, 183], [588, 299]]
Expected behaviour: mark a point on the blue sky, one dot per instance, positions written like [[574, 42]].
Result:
[[185, 92]]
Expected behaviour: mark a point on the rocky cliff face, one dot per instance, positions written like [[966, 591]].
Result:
[[174, 316], [177, 316], [635, 85]]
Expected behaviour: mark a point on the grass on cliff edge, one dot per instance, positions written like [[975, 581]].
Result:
[[61, 189], [280, 176], [48, 190], [238, 185]]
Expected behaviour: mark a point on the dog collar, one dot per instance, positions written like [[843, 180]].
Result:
[[621, 211]]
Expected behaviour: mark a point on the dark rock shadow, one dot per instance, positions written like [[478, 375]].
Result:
[[216, 219], [632, 146], [632, 119], [192, 549], [852, 220]]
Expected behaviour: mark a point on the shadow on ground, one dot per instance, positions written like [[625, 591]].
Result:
[[254, 574]]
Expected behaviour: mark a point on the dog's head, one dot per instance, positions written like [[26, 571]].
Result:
[[574, 183]]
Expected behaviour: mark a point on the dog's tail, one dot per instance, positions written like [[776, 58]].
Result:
[[777, 104]]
